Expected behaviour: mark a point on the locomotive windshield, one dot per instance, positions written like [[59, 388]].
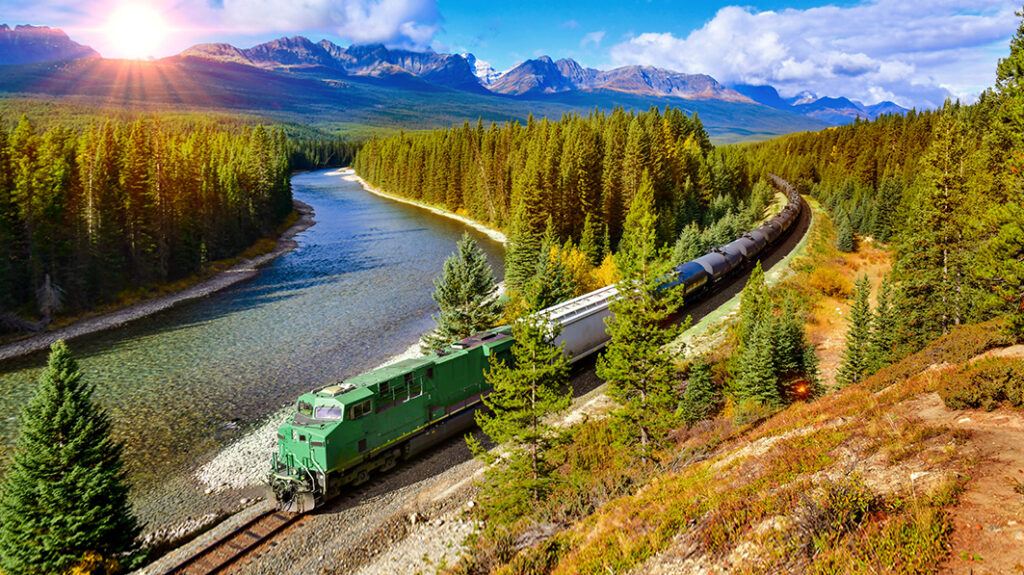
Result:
[[325, 412], [305, 408]]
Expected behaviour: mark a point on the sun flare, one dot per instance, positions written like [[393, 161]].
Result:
[[136, 30]]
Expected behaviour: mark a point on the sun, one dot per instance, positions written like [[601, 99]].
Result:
[[136, 30]]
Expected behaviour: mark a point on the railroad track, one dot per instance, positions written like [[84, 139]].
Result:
[[225, 551]]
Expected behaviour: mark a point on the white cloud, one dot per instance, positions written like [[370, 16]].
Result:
[[399, 23], [408, 23], [592, 38], [879, 49]]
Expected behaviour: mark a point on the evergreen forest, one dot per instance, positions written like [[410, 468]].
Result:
[[87, 214], [548, 183], [942, 188]]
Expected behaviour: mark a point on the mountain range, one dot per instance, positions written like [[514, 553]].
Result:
[[530, 79], [831, 110], [324, 83], [26, 44]]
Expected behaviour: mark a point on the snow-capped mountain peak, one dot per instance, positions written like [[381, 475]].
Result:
[[483, 70]]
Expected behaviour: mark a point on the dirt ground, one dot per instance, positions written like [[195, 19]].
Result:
[[988, 534], [827, 329]]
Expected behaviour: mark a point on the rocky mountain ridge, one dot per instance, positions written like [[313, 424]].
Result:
[[28, 44], [827, 109], [544, 76], [374, 60]]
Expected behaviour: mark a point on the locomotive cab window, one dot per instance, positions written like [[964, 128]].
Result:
[[328, 412], [358, 410], [305, 408]]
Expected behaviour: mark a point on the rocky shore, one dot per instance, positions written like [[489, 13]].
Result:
[[240, 272]]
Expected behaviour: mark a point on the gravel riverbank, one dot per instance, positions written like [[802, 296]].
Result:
[[238, 273], [350, 175]]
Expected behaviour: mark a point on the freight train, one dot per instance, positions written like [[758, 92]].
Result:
[[344, 432]]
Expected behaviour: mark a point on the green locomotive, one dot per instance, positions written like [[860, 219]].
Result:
[[343, 432]]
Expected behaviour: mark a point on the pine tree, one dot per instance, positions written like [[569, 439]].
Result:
[[639, 236], [590, 242], [886, 203], [1002, 259], [700, 395], [551, 282], [466, 295], [64, 492], [788, 340], [525, 393], [756, 379], [689, 245], [844, 233], [858, 335], [635, 363], [755, 304], [935, 264], [524, 240], [883, 339]]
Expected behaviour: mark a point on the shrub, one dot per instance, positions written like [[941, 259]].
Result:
[[831, 283], [959, 345], [985, 384], [750, 411]]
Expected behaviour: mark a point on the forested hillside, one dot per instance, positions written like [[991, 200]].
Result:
[[85, 215], [579, 173], [944, 188]]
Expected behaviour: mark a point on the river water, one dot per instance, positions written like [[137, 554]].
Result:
[[182, 384]]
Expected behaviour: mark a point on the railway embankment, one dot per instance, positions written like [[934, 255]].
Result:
[[237, 273]]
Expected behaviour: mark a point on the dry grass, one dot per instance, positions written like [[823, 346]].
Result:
[[850, 483], [825, 278]]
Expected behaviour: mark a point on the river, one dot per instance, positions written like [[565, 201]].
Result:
[[182, 384]]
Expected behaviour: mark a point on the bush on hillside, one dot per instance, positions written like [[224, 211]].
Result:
[[831, 283], [985, 384], [959, 345]]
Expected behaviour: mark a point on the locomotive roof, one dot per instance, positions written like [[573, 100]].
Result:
[[391, 371], [347, 389]]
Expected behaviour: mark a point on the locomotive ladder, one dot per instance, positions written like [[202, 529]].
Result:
[[222, 553]]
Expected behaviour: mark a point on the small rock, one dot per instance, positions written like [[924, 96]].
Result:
[[917, 475], [243, 501], [413, 518], [964, 420], [208, 490], [470, 504], [1011, 522]]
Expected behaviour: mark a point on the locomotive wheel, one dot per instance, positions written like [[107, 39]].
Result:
[[361, 477]]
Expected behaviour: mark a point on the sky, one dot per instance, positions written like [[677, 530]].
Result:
[[913, 53]]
